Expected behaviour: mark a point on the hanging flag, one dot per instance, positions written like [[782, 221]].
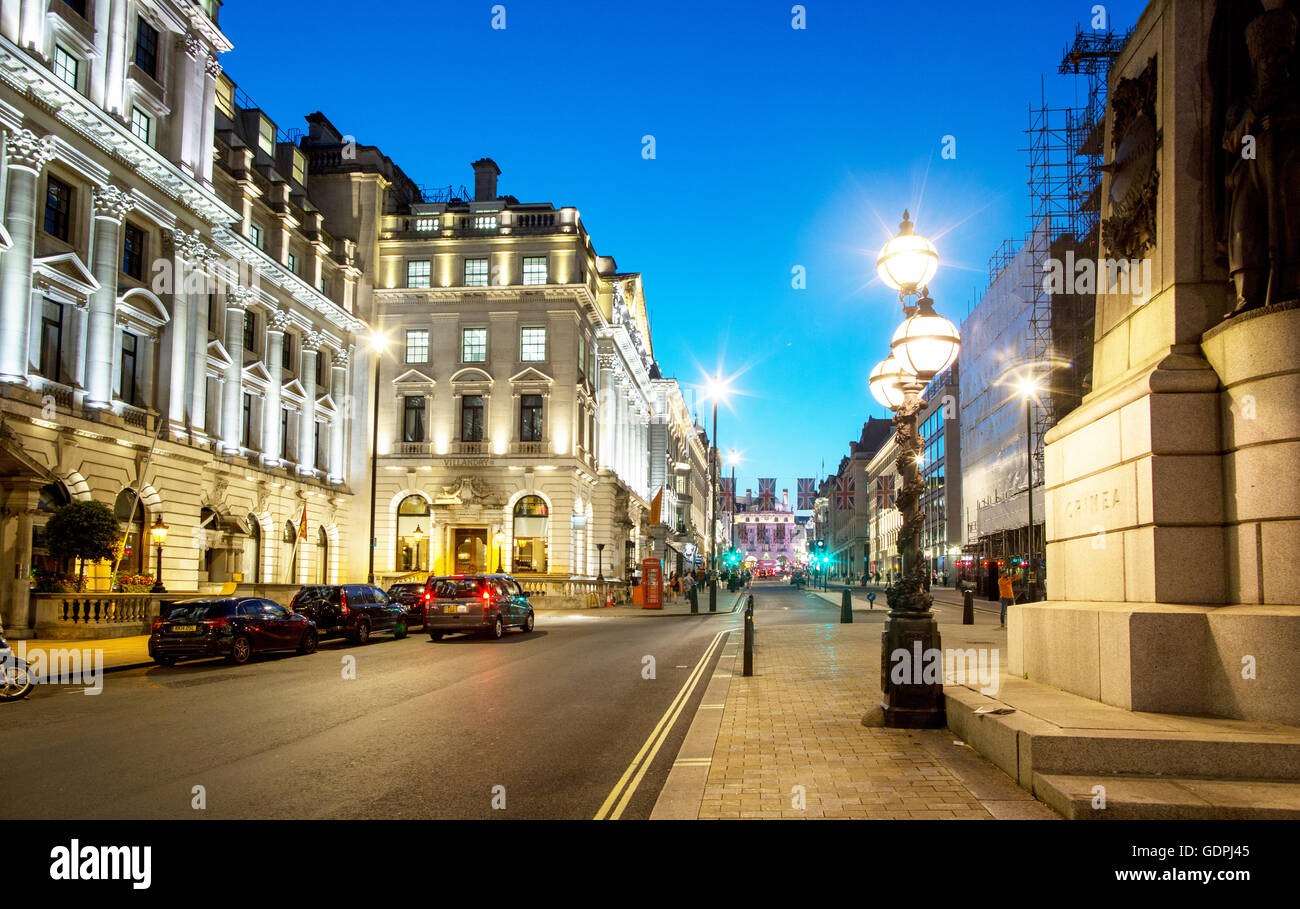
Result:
[[766, 494], [885, 495], [844, 490], [807, 497], [780, 533], [727, 497], [302, 526]]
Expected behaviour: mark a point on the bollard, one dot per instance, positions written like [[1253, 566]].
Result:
[[749, 637], [967, 606], [846, 608]]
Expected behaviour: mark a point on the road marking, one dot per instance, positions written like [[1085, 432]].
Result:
[[614, 805]]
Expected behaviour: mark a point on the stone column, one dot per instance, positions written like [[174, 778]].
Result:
[[212, 70], [110, 206], [272, 444], [605, 414], [342, 414], [16, 549], [232, 387], [307, 427], [116, 59], [174, 362], [198, 351], [26, 155]]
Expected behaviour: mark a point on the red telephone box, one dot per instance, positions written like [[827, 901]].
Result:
[[652, 583]]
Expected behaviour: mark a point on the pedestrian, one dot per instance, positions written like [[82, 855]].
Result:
[[1007, 593]]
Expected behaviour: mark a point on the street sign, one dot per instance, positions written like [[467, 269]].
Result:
[[871, 597]]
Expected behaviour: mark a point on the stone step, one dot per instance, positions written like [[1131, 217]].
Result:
[[1167, 798], [1096, 740]]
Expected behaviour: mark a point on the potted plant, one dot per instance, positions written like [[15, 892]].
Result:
[[85, 531], [135, 583]]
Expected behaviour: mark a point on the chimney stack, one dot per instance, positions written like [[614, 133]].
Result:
[[485, 180], [785, 498]]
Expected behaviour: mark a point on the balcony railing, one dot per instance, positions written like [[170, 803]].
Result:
[[477, 449], [528, 448], [409, 449]]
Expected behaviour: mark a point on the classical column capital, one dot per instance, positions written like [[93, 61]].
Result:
[[24, 149], [191, 45], [341, 358], [312, 341], [212, 66], [111, 203], [278, 322], [240, 297], [188, 246]]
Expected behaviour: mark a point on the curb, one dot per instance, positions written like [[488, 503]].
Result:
[[683, 792]]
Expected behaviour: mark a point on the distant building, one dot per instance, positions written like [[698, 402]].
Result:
[[847, 500], [763, 533]]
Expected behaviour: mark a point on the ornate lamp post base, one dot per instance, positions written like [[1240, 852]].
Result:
[[911, 672]]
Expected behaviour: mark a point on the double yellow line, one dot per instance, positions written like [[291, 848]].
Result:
[[636, 771]]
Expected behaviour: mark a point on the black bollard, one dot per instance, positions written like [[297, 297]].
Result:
[[749, 637], [846, 608], [967, 606]]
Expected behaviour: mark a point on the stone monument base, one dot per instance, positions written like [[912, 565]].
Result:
[[1239, 662]]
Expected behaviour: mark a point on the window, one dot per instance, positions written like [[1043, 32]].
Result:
[[418, 273], [50, 365], [293, 263], [286, 353], [417, 345], [323, 286], [58, 209], [485, 222], [476, 272], [413, 527], [471, 418], [67, 68], [473, 345], [530, 418], [146, 47], [322, 446], [535, 270], [532, 345], [529, 531], [142, 125], [226, 96], [299, 167], [413, 418], [130, 345], [246, 430], [133, 252], [286, 423], [582, 355], [266, 135], [426, 224], [256, 234], [320, 369], [78, 7], [250, 332]]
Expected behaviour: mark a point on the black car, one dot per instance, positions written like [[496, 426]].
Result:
[[477, 604], [412, 597], [234, 627], [356, 610]]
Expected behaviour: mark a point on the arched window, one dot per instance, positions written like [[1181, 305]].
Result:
[[53, 496], [253, 556], [130, 513], [414, 527], [322, 556], [529, 533], [291, 552]]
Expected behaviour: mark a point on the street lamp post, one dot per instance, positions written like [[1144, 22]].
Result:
[[717, 389], [377, 344], [922, 347], [499, 538], [1029, 497], [600, 566], [159, 533]]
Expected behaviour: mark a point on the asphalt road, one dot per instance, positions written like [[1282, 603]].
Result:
[[424, 730]]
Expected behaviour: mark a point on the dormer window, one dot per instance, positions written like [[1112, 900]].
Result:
[[266, 135], [299, 168], [146, 47]]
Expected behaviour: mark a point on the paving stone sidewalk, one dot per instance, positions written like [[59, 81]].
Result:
[[797, 722]]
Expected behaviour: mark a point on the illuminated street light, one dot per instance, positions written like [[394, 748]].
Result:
[[159, 533], [908, 262], [886, 382], [378, 343]]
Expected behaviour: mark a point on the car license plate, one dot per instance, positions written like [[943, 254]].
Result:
[[185, 628]]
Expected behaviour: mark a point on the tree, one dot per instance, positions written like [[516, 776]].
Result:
[[86, 531]]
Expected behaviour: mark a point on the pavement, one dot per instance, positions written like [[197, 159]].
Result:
[[788, 742]]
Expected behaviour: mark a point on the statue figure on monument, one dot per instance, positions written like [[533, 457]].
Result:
[[1262, 139]]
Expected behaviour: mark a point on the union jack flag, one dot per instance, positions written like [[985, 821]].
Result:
[[844, 490], [807, 494], [762, 533], [766, 494], [727, 494], [780, 533], [885, 496]]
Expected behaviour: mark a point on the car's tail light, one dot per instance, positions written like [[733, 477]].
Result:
[[428, 596], [157, 623]]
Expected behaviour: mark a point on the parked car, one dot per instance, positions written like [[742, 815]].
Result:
[[477, 604], [798, 578], [412, 597], [234, 627], [355, 610]]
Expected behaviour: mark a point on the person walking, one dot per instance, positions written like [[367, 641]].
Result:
[[1006, 593]]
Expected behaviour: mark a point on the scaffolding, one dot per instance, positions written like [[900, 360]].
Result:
[[1065, 157]]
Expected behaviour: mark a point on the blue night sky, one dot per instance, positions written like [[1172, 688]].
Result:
[[775, 148]]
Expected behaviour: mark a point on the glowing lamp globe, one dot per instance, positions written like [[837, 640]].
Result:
[[926, 344], [908, 262], [886, 382]]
